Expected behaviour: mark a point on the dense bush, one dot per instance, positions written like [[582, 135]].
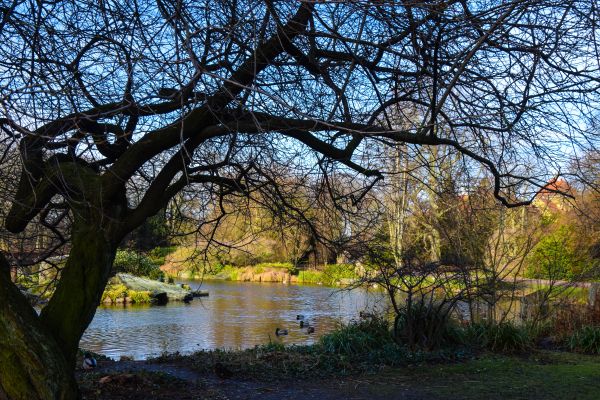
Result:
[[136, 264], [504, 337], [310, 276], [358, 337], [585, 340], [158, 255], [114, 292], [426, 325], [555, 257], [330, 275], [120, 291], [141, 297], [333, 273]]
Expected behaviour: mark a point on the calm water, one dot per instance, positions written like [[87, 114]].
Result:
[[236, 315]]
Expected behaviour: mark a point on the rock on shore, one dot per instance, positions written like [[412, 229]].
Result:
[[159, 292]]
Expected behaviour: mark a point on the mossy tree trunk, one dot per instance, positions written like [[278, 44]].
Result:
[[32, 363], [82, 281], [38, 353]]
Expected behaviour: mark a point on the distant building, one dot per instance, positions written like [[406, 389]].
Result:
[[551, 198]]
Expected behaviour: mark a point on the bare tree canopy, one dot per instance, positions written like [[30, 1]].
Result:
[[116, 106], [192, 88]]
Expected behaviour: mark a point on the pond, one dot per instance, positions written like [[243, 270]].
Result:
[[236, 315]]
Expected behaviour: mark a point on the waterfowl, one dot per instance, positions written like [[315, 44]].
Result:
[[89, 362], [304, 324], [299, 317], [281, 332], [310, 329]]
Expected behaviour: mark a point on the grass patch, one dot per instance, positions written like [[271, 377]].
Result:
[[585, 340], [330, 275], [505, 337], [281, 265], [310, 276], [544, 375]]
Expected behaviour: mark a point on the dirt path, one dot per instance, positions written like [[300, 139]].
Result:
[[353, 388]]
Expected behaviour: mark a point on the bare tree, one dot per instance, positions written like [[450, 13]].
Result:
[[118, 106]]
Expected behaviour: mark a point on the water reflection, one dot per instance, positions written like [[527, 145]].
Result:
[[235, 315]]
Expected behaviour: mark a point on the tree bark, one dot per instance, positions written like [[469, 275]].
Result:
[[82, 280], [32, 365]]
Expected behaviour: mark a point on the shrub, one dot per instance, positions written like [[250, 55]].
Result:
[[426, 325], [214, 269], [585, 340], [504, 337], [114, 292], [358, 338], [555, 257], [333, 273], [136, 264], [141, 297], [310, 276], [158, 255], [230, 273]]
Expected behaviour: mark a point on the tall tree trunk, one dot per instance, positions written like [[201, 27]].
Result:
[[37, 353], [32, 365], [82, 280]]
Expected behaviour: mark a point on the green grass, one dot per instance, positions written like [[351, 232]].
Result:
[[585, 340], [505, 337], [310, 276], [544, 375], [330, 275], [275, 265], [541, 375]]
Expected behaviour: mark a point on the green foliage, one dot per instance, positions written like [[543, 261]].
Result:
[[333, 273], [158, 254], [426, 325], [285, 265], [154, 231], [136, 264], [230, 273], [505, 337], [114, 292], [120, 291], [310, 276], [141, 297], [215, 269], [585, 340], [555, 257], [358, 337]]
